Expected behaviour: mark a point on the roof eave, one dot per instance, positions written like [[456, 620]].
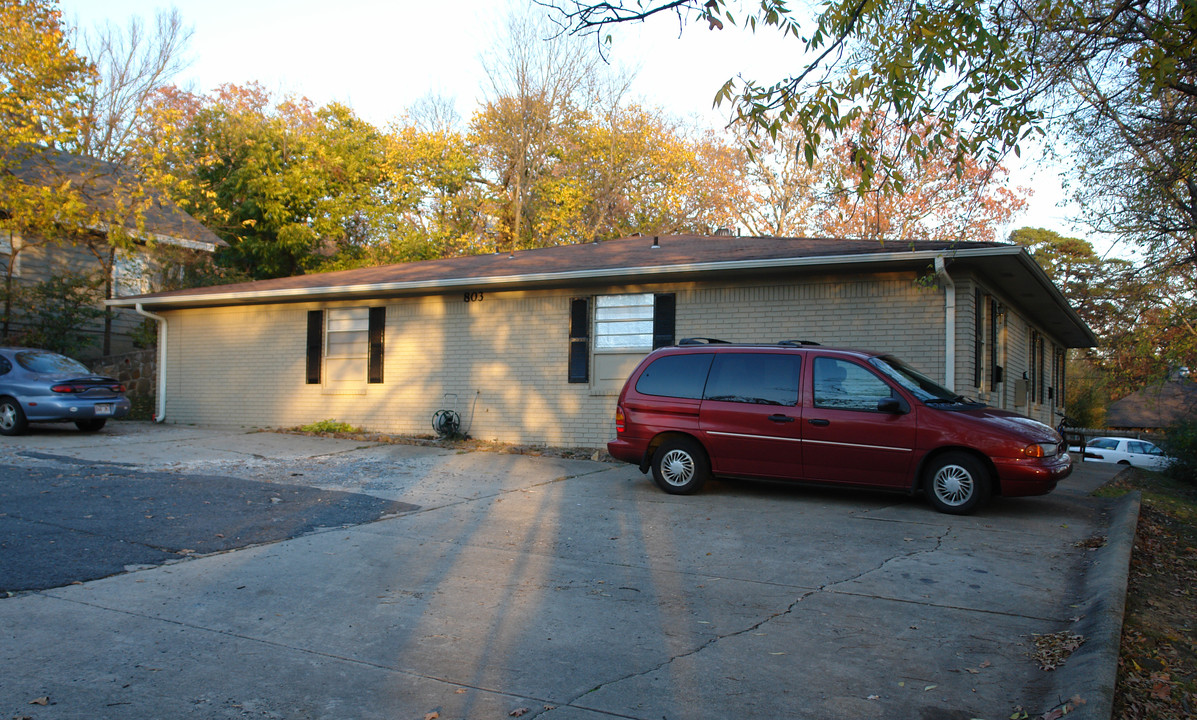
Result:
[[529, 279]]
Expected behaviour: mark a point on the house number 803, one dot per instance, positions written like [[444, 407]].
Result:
[[473, 297]]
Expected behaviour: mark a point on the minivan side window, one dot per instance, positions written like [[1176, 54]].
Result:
[[758, 378], [680, 376], [843, 385]]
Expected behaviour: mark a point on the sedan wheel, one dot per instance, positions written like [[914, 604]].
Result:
[[957, 484], [12, 418]]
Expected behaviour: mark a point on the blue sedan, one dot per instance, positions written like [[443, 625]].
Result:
[[41, 386]]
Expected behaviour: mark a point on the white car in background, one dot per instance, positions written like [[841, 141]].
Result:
[[1125, 451]]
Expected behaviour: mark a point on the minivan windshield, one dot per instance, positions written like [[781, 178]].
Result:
[[918, 384]]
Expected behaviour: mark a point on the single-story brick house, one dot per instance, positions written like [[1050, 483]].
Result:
[[533, 346]]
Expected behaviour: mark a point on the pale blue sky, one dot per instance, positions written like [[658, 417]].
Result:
[[380, 56]]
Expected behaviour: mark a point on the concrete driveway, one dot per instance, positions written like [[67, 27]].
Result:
[[571, 590]]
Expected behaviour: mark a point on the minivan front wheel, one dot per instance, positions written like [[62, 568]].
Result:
[[957, 483], [680, 466]]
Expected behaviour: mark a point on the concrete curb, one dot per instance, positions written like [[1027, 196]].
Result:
[[1091, 672]]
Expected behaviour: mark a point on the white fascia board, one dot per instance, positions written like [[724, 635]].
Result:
[[367, 289], [145, 236]]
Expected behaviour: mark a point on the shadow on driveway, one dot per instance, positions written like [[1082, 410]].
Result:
[[77, 521]]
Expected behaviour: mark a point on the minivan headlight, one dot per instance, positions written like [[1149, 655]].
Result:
[[1041, 450]]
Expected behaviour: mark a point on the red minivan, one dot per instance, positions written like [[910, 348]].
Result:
[[803, 412]]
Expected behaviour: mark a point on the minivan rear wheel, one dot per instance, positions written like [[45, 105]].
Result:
[[680, 466], [957, 483]]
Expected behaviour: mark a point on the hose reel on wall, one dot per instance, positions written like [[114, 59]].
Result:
[[446, 422]]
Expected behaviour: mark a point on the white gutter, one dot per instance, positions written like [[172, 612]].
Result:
[[160, 413], [597, 274], [949, 322]]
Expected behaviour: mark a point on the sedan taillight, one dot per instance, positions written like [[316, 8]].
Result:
[[80, 388]]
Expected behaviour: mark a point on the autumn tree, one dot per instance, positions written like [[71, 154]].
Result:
[[43, 84], [537, 89], [1145, 318], [286, 184], [1116, 77], [944, 196], [131, 65]]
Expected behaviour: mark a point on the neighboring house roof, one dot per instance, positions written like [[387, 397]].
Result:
[[98, 182], [1156, 406], [657, 259]]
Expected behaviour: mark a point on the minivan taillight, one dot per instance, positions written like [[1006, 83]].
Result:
[[620, 423]]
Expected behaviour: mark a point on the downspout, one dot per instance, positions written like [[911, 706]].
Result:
[[160, 413], [949, 322]]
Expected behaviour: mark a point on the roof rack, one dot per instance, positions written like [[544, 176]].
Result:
[[797, 343], [702, 341]]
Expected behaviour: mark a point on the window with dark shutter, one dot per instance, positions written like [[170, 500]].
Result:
[[378, 321], [315, 345], [579, 340], [664, 312]]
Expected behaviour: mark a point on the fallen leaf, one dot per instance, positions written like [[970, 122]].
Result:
[[43, 700], [873, 697], [930, 687], [461, 691], [432, 715], [519, 712]]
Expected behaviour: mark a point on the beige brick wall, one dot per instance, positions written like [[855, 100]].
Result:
[[1016, 357], [505, 357]]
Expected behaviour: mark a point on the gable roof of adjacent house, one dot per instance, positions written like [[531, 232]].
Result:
[[1155, 406], [99, 182], [643, 259]]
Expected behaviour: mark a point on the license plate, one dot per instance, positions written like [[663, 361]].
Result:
[[103, 408]]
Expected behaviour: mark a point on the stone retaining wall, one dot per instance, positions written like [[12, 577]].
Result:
[[138, 370]]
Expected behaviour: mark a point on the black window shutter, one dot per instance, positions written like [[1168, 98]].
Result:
[[579, 340], [315, 345], [664, 313], [995, 370], [378, 321], [978, 337]]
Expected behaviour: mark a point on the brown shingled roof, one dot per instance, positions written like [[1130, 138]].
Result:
[[675, 251], [643, 259], [1156, 406], [98, 182]]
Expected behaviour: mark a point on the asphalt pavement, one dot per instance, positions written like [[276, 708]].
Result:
[[284, 576]]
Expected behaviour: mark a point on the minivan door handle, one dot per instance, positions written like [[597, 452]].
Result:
[[820, 422], [781, 418]]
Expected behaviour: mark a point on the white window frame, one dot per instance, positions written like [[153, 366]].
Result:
[[346, 348], [624, 323]]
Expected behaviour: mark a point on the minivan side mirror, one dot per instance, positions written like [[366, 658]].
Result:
[[891, 405]]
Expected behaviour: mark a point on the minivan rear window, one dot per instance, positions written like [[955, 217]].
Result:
[[758, 378], [680, 376]]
